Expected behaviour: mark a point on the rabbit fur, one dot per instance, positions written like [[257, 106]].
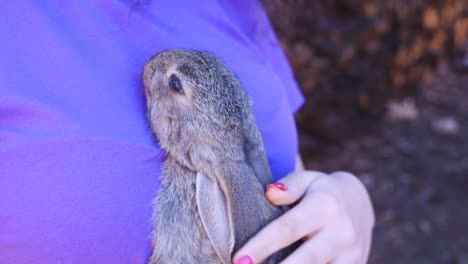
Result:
[[211, 199]]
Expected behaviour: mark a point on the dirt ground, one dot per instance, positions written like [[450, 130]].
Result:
[[416, 170], [356, 61]]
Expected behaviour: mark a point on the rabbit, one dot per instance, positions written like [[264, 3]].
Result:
[[211, 199]]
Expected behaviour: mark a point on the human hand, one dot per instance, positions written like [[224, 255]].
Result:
[[333, 215]]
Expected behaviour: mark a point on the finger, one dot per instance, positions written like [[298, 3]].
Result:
[[288, 228], [318, 250], [291, 188]]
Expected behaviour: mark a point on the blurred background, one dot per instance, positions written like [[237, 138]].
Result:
[[386, 87]]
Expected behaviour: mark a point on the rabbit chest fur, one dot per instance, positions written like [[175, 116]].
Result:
[[211, 199], [178, 224]]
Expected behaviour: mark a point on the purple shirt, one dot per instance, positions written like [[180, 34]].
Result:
[[78, 165]]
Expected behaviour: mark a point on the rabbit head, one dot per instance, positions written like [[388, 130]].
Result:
[[194, 101]]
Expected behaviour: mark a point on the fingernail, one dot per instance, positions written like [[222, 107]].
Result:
[[277, 185], [244, 260]]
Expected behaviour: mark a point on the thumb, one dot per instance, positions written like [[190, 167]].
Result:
[[291, 188]]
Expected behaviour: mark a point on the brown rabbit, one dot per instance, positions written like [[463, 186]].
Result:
[[212, 185]]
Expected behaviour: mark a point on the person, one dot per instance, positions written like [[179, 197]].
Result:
[[79, 165]]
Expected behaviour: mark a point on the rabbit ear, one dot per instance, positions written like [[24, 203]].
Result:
[[246, 199], [215, 214], [245, 183], [254, 151]]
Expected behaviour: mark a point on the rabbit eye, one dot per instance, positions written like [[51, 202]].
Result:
[[175, 84]]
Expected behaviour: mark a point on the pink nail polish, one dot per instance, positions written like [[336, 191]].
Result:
[[244, 260], [277, 185]]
